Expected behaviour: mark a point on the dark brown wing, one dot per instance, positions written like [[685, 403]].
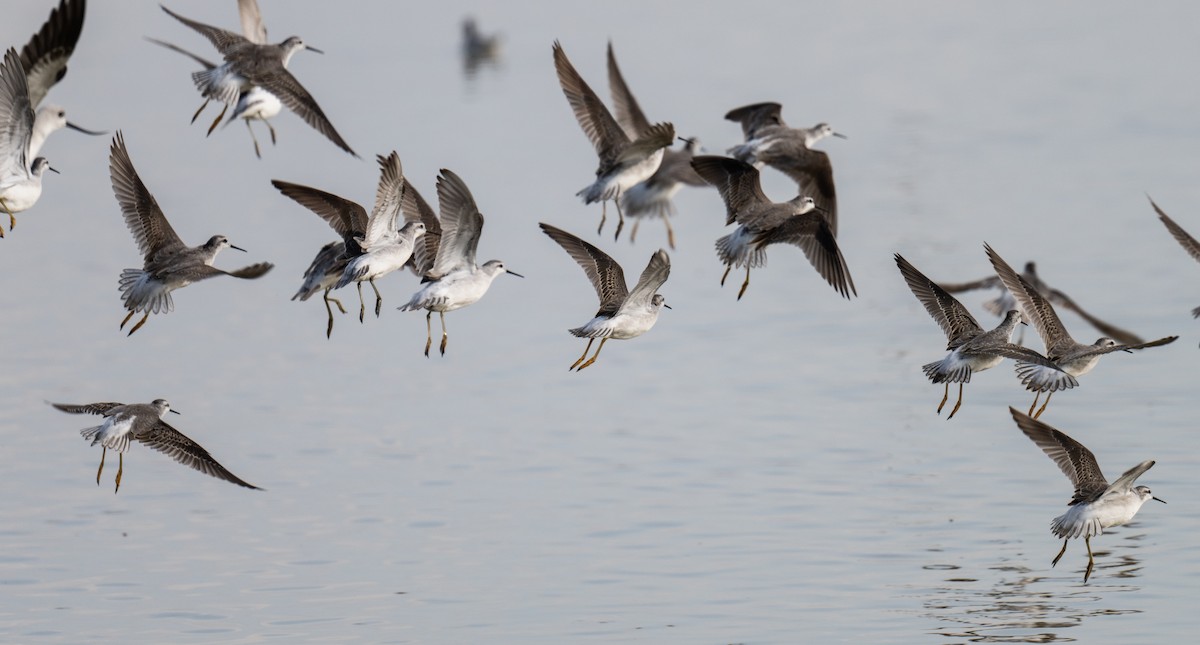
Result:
[[86, 408], [812, 234], [813, 173], [756, 116], [954, 319], [737, 181], [282, 84], [225, 41], [629, 113], [177, 446], [598, 124], [1112, 331], [146, 221], [1036, 308], [1076, 461], [45, 56], [416, 209], [604, 272], [347, 218], [1185, 240]]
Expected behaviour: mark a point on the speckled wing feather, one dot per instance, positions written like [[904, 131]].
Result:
[[597, 123], [605, 274], [954, 319], [416, 209], [283, 85], [225, 41], [345, 217], [1076, 461], [813, 174], [1185, 240], [813, 235], [737, 181], [629, 114], [1036, 308], [146, 221], [653, 277], [87, 408], [179, 447]]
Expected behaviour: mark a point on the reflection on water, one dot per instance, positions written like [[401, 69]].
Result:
[[1022, 606]]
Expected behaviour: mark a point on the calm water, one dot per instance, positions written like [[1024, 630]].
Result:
[[763, 471]]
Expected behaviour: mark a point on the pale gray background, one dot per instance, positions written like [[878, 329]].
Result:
[[763, 471]]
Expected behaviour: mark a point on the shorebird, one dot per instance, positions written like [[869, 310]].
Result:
[[1097, 504], [168, 263], [254, 104], [1185, 240], [1070, 356], [44, 59], [762, 222], [143, 422], [999, 305], [771, 142], [652, 197], [248, 64], [20, 174], [477, 48], [351, 222], [445, 258], [624, 162], [384, 247], [623, 314], [972, 349]]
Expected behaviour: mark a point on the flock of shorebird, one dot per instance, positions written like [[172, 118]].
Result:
[[638, 170]]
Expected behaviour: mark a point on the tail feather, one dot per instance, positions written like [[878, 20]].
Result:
[[737, 249], [353, 273], [600, 191], [141, 292], [1043, 378], [217, 84], [948, 370]]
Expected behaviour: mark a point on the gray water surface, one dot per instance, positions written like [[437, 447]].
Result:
[[763, 471]]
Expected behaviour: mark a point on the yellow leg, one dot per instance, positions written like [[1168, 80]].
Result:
[[633, 231], [603, 216], [12, 221], [378, 298], [199, 110], [620, 218], [1036, 396], [1087, 541], [217, 121], [428, 332], [362, 307], [583, 356], [945, 397], [1061, 552], [726, 274], [328, 309], [257, 152], [594, 356], [139, 323], [101, 468], [127, 317], [744, 284], [958, 404], [1044, 404], [442, 315], [670, 231], [120, 469], [272, 129]]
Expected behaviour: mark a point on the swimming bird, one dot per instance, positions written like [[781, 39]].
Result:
[[623, 314], [168, 263], [971, 348], [1070, 356], [143, 422], [769, 141], [384, 247], [44, 59], [1005, 301], [248, 64], [1185, 240], [446, 258], [762, 222], [20, 174], [624, 162], [254, 104], [351, 222], [1097, 504], [652, 197]]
